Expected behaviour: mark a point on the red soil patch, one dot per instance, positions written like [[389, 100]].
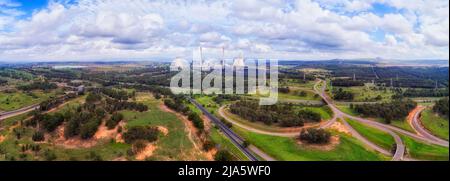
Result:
[[340, 127], [2, 138], [334, 141], [77, 142], [163, 130], [412, 113], [147, 152]]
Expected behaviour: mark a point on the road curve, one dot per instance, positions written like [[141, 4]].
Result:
[[400, 147], [417, 126]]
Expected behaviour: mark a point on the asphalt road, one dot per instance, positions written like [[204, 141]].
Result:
[[6, 115], [400, 147], [417, 126], [235, 139]]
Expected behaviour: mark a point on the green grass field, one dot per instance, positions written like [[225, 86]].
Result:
[[436, 124], [208, 103], [224, 143], [176, 145], [367, 93], [324, 111], [420, 150], [19, 99], [403, 124], [346, 109], [287, 149], [295, 83], [380, 138]]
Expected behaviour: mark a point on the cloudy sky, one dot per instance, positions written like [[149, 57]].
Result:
[[38, 30]]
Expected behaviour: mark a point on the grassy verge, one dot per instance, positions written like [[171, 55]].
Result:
[[374, 135], [19, 99], [224, 143], [287, 149], [423, 151], [435, 124]]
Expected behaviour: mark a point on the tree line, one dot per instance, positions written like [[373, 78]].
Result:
[[389, 111], [282, 114], [441, 107], [41, 85], [341, 94]]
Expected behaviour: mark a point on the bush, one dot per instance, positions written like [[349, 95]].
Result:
[[315, 136], [196, 120], [51, 122], [139, 146], [309, 116], [340, 94], [147, 133], [208, 145], [114, 120], [38, 136], [441, 107], [302, 94], [72, 128], [89, 129], [93, 97]]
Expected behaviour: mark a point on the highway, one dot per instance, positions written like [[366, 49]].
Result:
[[417, 126], [6, 115], [235, 139]]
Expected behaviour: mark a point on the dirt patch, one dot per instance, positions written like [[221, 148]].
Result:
[[103, 131], [163, 130], [412, 113], [334, 141], [340, 127], [72, 143], [210, 154], [206, 122], [147, 152], [76, 142], [2, 138]]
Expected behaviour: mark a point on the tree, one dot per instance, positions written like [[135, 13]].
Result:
[[303, 94], [88, 129], [315, 136], [147, 133], [441, 107], [114, 120], [38, 136]]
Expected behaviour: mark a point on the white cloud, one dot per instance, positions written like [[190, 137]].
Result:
[[108, 29]]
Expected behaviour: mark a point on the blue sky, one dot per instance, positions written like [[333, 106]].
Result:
[[143, 29]]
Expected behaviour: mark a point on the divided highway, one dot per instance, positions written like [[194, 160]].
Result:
[[235, 139]]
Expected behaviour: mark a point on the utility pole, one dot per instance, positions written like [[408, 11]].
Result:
[[354, 77], [436, 85], [304, 76], [392, 84]]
